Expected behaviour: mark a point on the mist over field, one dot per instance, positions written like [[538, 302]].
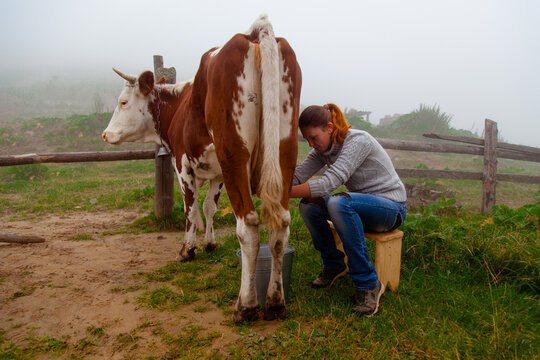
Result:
[[474, 60]]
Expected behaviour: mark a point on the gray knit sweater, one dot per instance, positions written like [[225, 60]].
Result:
[[361, 164]]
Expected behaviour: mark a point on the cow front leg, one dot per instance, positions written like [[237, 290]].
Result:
[[247, 230], [274, 307], [209, 208], [191, 209]]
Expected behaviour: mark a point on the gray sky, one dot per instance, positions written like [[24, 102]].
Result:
[[476, 59]]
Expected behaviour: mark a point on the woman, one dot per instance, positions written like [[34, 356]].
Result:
[[375, 200]]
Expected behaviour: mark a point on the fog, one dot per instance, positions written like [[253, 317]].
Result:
[[475, 59]]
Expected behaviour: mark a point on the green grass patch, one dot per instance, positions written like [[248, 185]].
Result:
[[24, 291], [191, 343], [85, 346], [26, 172], [200, 309], [32, 347], [73, 187], [97, 331], [81, 237], [164, 298]]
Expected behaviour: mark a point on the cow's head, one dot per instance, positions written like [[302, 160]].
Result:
[[133, 118]]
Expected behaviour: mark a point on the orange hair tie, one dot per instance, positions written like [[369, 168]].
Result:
[[341, 127]]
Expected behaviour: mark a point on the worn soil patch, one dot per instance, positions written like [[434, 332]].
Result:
[[64, 288]]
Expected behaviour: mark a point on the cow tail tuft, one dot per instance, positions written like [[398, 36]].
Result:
[[271, 183]]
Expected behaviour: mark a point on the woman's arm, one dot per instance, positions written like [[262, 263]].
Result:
[[309, 167], [300, 191]]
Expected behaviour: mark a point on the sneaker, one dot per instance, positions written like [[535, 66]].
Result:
[[328, 276], [367, 301]]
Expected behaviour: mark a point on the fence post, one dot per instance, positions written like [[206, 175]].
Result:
[[164, 193], [489, 180]]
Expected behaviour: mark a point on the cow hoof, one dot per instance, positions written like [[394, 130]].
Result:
[[273, 312], [186, 254], [245, 314], [210, 247]]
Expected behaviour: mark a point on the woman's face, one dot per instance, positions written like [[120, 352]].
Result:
[[317, 137]]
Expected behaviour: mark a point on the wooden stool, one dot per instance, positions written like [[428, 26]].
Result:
[[387, 255]]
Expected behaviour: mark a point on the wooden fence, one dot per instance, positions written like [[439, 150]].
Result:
[[489, 148]]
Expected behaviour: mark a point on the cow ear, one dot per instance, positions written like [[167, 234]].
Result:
[[146, 82], [162, 81]]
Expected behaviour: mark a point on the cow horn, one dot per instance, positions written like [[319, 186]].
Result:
[[129, 78]]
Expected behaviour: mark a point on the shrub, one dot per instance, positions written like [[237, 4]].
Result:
[[423, 120]]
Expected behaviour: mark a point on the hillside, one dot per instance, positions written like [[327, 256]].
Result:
[[59, 134], [55, 96]]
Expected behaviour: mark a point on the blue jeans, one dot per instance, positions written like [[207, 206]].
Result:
[[351, 213]]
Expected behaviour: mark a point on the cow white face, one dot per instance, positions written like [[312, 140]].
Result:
[[132, 120]]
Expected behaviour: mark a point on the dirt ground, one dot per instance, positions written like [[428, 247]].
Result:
[[61, 288]]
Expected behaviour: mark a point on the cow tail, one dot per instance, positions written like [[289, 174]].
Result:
[[271, 181]]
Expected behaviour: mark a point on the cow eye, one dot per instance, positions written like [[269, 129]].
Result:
[[123, 102]]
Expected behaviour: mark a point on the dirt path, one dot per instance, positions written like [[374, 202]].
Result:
[[64, 288]]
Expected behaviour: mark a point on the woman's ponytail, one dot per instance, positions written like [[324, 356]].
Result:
[[340, 123]]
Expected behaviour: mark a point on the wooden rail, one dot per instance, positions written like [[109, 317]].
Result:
[[410, 145], [165, 178], [465, 175], [74, 157]]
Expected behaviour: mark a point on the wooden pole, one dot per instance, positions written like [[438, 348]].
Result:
[[489, 180], [164, 193], [20, 238]]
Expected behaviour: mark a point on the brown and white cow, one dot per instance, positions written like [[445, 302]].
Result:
[[234, 123]]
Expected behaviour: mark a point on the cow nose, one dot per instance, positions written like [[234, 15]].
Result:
[[104, 136]]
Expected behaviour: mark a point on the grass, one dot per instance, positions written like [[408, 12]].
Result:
[[76, 187], [24, 291], [97, 331], [32, 346], [469, 289], [164, 298], [81, 237], [469, 283]]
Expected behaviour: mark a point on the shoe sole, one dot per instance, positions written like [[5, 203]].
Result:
[[333, 280], [379, 295]]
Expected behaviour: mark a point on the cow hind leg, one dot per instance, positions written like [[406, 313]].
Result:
[[209, 208], [274, 307], [247, 230]]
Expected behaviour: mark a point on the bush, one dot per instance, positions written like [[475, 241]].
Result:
[[423, 120], [359, 123]]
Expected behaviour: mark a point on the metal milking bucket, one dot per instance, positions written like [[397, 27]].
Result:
[[264, 268]]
